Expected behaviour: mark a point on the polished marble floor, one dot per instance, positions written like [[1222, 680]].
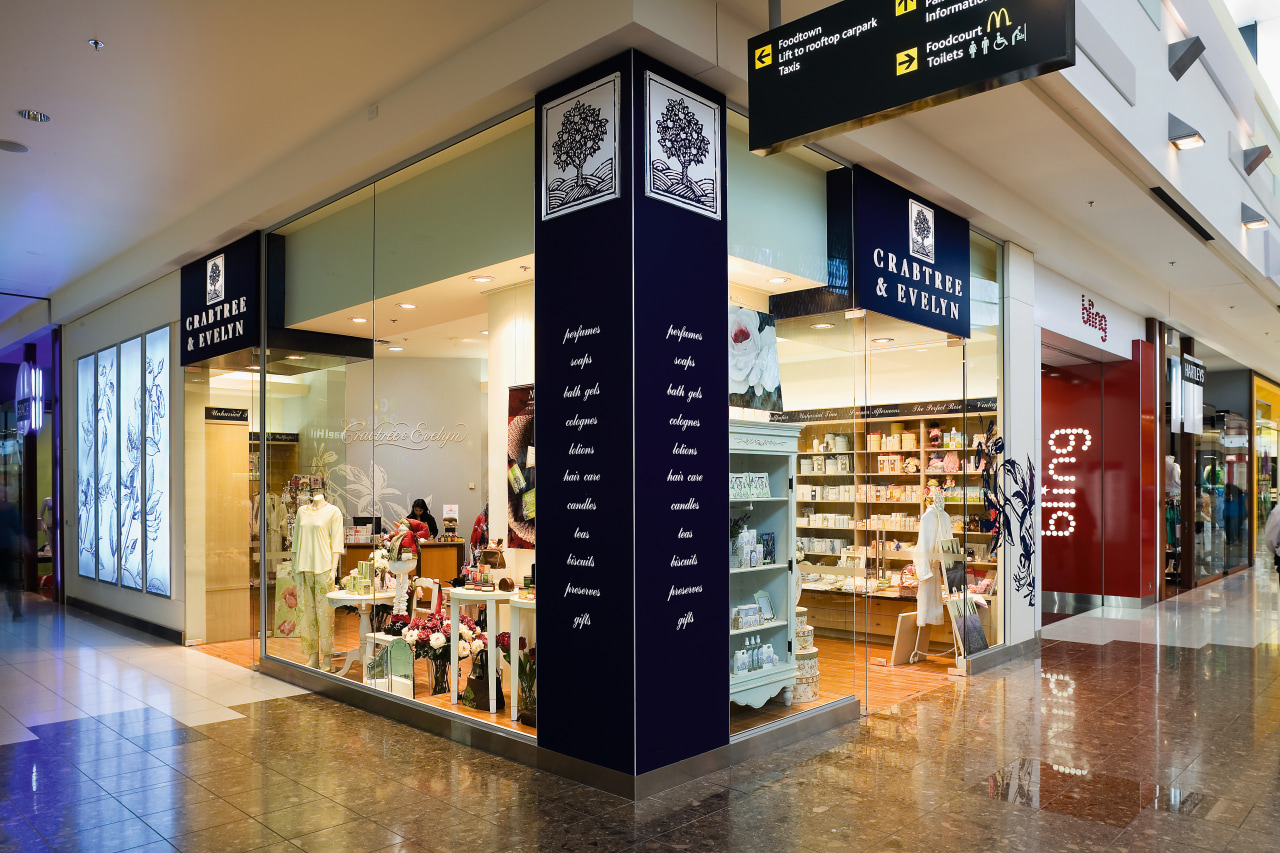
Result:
[[1161, 737]]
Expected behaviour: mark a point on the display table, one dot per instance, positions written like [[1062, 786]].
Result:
[[518, 607], [363, 603], [458, 597]]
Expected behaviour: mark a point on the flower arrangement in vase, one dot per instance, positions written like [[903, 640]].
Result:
[[476, 694], [526, 676], [429, 638]]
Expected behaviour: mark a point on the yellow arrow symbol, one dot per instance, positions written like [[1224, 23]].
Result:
[[902, 7], [907, 61], [764, 56]]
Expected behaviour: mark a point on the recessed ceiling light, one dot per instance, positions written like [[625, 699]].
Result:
[[295, 357], [482, 279], [33, 115], [882, 340], [406, 305], [13, 147], [922, 350], [359, 320], [395, 349], [96, 45], [779, 280], [484, 332], [784, 340], [822, 325]]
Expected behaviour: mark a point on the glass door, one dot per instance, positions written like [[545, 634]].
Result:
[[920, 481]]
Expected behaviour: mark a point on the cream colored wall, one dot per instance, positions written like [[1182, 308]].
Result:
[[510, 363], [145, 309]]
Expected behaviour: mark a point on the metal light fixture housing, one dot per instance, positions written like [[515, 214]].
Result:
[[1255, 157], [1183, 136], [1252, 219], [1183, 54]]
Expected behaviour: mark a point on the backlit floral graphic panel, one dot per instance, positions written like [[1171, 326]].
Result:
[[155, 493], [87, 489], [131, 464], [108, 416]]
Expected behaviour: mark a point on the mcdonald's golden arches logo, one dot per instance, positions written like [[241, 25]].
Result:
[[995, 18]]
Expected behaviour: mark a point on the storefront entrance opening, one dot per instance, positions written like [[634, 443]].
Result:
[[893, 421], [1098, 499]]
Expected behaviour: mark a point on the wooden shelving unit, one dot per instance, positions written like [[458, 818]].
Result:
[[875, 614]]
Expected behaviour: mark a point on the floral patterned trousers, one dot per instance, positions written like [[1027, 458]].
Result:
[[315, 625]]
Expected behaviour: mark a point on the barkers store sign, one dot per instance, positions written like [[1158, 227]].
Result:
[[220, 311], [910, 257]]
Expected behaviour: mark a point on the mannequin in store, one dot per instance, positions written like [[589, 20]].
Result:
[[935, 525], [1172, 477], [317, 546]]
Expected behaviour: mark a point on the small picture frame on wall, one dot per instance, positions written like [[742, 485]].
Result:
[[766, 606]]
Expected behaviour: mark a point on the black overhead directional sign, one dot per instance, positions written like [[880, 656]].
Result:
[[859, 62]]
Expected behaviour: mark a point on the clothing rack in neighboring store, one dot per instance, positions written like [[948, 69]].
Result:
[[1173, 540]]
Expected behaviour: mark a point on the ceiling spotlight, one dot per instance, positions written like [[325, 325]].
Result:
[[408, 306], [33, 115], [779, 280], [484, 332], [359, 320], [13, 147], [96, 45], [882, 340], [481, 279], [784, 340], [295, 357], [1183, 136], [822, 325], [1251, 218], [395, 349], [922, 350]]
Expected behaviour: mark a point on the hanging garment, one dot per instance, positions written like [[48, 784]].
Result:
[[277, 515], [935, 525], [317, 538]]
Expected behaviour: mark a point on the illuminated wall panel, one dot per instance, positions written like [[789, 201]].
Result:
[[87, 461], [156, 487]]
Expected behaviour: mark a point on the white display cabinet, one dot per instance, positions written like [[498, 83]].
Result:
[[770, 449]]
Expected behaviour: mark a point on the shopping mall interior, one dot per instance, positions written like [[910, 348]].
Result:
[[283, 288]]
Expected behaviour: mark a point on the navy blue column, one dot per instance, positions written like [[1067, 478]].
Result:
[[632, 439]]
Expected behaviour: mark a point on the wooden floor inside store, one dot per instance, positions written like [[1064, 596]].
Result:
[[852, 668], [846, 668]]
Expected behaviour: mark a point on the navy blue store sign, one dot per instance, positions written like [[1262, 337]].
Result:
[[862, 61], [910, 257], [220, 310]]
